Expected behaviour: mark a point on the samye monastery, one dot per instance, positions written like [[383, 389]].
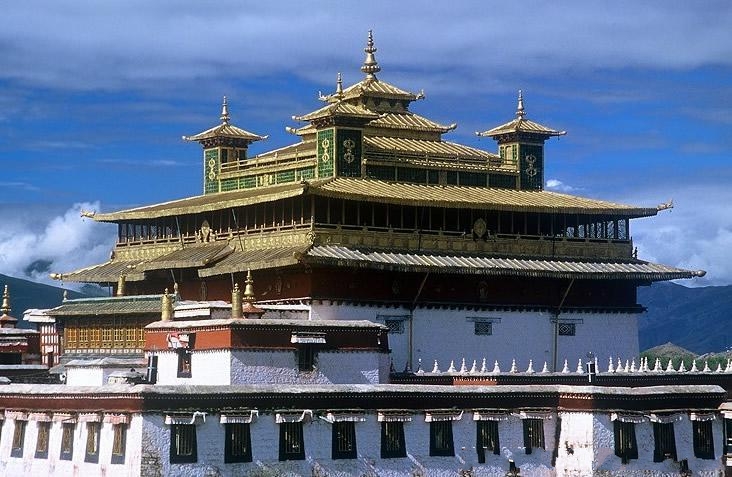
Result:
[[408, 306]]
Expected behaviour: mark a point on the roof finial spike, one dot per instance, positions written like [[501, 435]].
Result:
[[339, 86], [520, 113], [225, 112], [370, 65], [6, 302]]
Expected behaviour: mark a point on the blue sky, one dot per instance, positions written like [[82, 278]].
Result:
[[95, 96]]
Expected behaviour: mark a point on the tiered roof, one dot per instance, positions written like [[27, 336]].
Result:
[[225, 130], [521, 125]]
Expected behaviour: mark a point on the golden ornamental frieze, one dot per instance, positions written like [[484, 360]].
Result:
[[145, 252], [275, 239]]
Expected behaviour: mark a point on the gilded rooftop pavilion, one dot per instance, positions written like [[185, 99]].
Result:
[[373, 206]]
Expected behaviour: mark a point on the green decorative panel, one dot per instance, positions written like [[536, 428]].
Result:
[[229, 184], [306, 174], [349, 152], [408, 174], [502, 181], [210, 171], [382, 173], [248, 182], [285, 176], [476, 179], [532, 167], [326, 153]]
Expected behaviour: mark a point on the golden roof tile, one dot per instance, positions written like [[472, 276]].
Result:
[[338, 109], [411, 121], [422, 146], [521, 124], [225, 129]]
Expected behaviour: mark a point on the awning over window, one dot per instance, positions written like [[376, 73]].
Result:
[[187, 418], [443, 415], [40, 416], [394, 416], [534, 415], [65, 417], [702, 416], [344, 417], [624, 417], [666, 418], [16, 415], [90, 417], [242, 417], [293, 416], [486, 415], [307, 338], [117, 418]]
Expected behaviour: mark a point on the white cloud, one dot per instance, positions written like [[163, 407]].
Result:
[[557, 185], [31, 248]]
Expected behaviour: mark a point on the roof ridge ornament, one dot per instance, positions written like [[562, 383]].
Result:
[[339, 86], [225, 112], [6, 302], [520, 113], [370, 66]]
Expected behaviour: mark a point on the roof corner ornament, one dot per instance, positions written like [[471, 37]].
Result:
[[166, 312], [520, 113], [87, 213], [225, 112], [421, 94], [665, 205], [370, 66]]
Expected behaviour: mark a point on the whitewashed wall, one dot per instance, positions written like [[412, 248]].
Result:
[[449, 335], [274, 367], [29, 466], [94, 375]]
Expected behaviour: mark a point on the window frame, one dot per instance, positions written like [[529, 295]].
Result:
[[67, 437], [703, 437], [93, 434], [626, 444], [664, 442], [234, 451], [119, 443], [487, 439], [533, 434], [488, 325], [292, 443], [393, 445], [442, 443], [344, 440], [16, 447], [185, 363], [179, 432], [42, 439], [307, 358]]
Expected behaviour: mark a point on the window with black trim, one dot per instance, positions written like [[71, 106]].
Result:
[[567, 329], [626, 446], [119, 443], [67, 440], [183, 445], [727, 436], [664, 441], [441, 443], [238, 444], [395, 326], [703, 439], [307, 356], [292, 446], [392, 440], [184, 363], [92, 441], [44, 429], [487, 439], [533, 434], [16, 450], [483, 328], [344, 440]]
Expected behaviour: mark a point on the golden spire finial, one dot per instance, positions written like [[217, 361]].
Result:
[[121, 285], [225, 112], [339, 85], [249, 288], [6, 302], [166, 312], [370, 66], [520, 109], [236, 311]]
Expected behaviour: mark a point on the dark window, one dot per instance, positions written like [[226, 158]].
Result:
[[292, 446], [42, 440], [344, 440], [665, 442], [567, 329], [92, 442], [727, 436], [18, 439], [184, 363], [441, 439], [392, 440], [306, 357], [625, 445], [67, 440], [533, 434], [484, 328], [703, 439], [183, 445], [487, 440], [395, 326], [119, 443], [238, 444]]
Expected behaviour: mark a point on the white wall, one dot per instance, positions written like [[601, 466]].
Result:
[[445, 335], [94, 375]]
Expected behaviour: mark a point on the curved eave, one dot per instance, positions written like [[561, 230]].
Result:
[[338, 110], [522, 126], [227, 131], [372, 88]]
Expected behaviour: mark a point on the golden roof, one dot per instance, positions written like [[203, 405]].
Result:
[[369, 190], [423, 146], [408, 120], [225, 129], [521, 124], [338, 109]]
